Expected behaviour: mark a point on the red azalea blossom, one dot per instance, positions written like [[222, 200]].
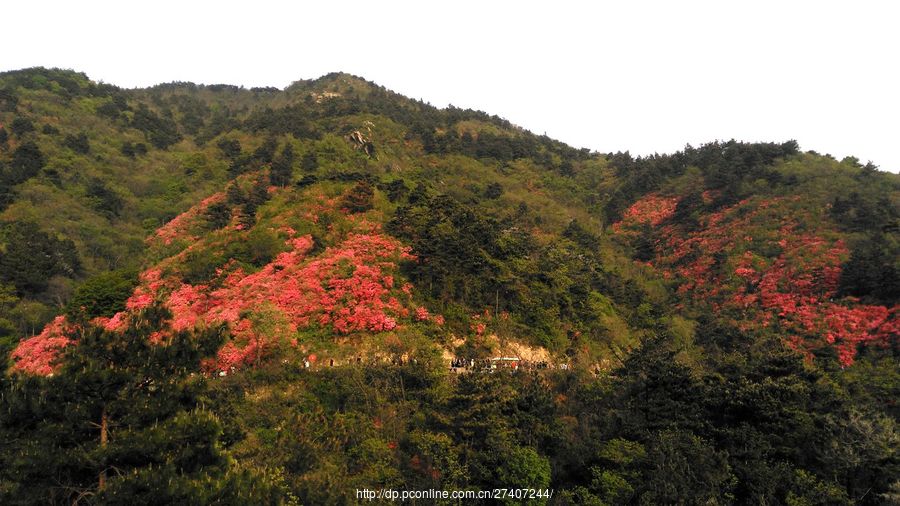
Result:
[[35, 355], [796, 289], [349, 288], [178, 227], [651, 210]]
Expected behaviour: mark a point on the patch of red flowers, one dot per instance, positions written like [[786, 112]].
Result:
[[36, 354], [178, 227], [348, 288], [783, 277], [651, 210]]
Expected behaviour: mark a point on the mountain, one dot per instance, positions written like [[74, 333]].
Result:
[[301, 267]]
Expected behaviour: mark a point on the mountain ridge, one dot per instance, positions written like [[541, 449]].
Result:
[[311, 249]]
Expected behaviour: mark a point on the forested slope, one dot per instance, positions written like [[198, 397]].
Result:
[[282, 278]]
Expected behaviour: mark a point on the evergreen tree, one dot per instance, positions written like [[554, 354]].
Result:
[[78, 143], [21, 126], [395, 189], [218, 214], [309, 162], [871, 271], [27, 161], [234, 195], [30, 257], [125, 423], [493, 190], [161, 131], [283, 167], [259, 193], [231, 148], [128, 149], [266, 151], [360, 197]]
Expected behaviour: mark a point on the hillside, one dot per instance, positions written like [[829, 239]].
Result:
[[807, 248], [307, 263]]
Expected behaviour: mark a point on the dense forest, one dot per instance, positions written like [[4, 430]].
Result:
[[213, 294]]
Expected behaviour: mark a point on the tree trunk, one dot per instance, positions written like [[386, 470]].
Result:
[[104, 438], [496, 304]]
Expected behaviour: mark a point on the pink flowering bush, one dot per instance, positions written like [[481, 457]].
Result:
[[347, 288], [180, 226], [772, 276], [35, 355], [651, 210]]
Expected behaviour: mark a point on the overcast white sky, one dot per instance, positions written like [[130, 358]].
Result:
[[639, 75]]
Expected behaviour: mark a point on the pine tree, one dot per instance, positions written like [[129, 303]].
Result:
[[266, 151], [234, 195], [218, 214], [309, 162], [120, 422], [283, 167], [360, 197]]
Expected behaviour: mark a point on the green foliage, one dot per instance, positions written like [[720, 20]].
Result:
[[218, 215], [230, 148], [103, 294], [162, 132], [21, 126], [395, 189], [293, 120], [499, 220], [283, 167], [114, 107], [259, 248], [124, 417], [866, 212], [683, 467], [30, 257], [104, 199], [454, 244], [359, 198], [307, 180], [309, 162], [872, 271], [645, 244], [494, 190], [133, 150], [27, 161], [265, 153], [579, 235], [807, 490], [525, 468], [200, 266], [725, 167], [8, 100], [77, 143], [256, 197]]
